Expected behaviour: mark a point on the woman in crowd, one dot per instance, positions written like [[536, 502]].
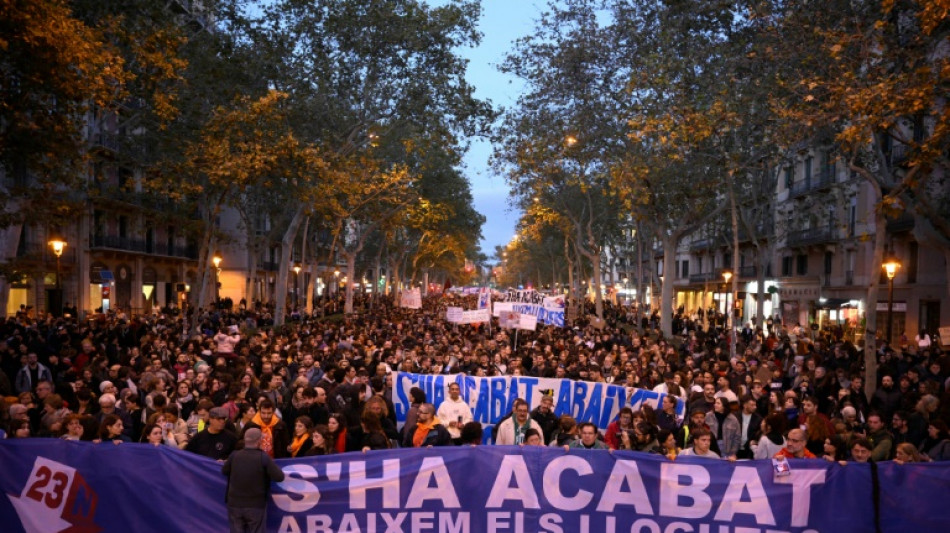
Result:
[[907, 453], [246, 412], [373, 437], [835, 449], [156, 436], [667, 440], [321, 441], [725, 428], [773, 437], [19, 429], [337, 426], [73, 426], [111, 430], [302, 440]]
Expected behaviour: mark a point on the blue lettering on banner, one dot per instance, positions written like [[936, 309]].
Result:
[[481, 413], [466, 489], [499, 398], [562, 404]]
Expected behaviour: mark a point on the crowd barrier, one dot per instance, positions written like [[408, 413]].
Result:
[[53, 485]]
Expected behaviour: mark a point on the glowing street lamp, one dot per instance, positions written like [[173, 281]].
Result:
[[58, 245], [891, 265], [296, 286], [216, 261]]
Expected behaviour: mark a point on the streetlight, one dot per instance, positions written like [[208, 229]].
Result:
[[890, 266], [58, 245], [216, 261], [296, 288], [727, 276]]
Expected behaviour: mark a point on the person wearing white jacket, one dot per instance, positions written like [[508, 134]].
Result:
[[512, 430], [454, 413]]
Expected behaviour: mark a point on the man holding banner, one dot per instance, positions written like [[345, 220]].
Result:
[[512, 430], [455, 412]]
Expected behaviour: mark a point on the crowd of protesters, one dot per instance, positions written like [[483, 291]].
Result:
[[322, 385]]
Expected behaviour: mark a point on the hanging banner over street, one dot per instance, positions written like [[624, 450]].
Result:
[[491, 398], [51, 485]]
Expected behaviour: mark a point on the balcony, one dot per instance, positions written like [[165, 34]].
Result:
[[809, 237], [705, 277], [901, 224], [748, 272], [817, 183], [699, 245], [40, 252], [126, 244]]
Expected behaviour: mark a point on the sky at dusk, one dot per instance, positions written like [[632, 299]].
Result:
[[501, 23]]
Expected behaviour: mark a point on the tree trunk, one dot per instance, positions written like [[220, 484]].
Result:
[[731, 311], [666, 289], [283, 270], [870, 332], [350, 280]]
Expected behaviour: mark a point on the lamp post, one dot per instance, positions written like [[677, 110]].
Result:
[[58, 246], [216, 261], [296, 286], [890, 266], [727, 276]]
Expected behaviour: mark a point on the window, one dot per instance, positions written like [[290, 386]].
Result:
[[829, 259], [789, 177], [786, 266], [801, 265], [808, 161], [828, 170], [685, 270], [853, 216], [123, 227]]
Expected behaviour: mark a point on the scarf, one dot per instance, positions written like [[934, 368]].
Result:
[[267, 434], [422, 430], [520, 430], [297, 443]]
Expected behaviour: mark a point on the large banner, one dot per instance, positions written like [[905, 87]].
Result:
[[548, 309], [51, 485], [492, 398]]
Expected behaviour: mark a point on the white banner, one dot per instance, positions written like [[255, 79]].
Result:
[[411, 299], [457, 315]]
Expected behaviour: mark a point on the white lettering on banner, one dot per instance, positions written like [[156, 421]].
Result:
[[552, 489], [745, 478], [672, 490], [388, 483], [443, 522], [802, 481], [307, 492], [513, 468], [683, 494], [614, 495], [443, 491]]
